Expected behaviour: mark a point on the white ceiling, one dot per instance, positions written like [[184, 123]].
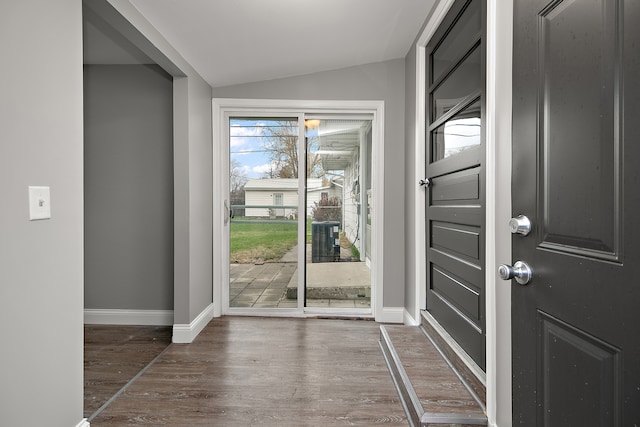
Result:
[[239, 41]]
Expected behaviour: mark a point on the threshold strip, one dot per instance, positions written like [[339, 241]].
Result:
[[126, 386]]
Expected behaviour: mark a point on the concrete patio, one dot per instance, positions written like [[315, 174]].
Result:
[[275, 284]]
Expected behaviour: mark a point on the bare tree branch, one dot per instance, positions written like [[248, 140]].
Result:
[[282, 143]]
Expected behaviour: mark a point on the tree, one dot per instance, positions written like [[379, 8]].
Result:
[[237, 181], [237, 176], [281, 142]]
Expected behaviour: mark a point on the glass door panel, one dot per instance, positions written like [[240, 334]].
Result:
[[263, 236], [338, 199]]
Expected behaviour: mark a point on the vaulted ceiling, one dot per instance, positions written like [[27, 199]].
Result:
[[239, 41]]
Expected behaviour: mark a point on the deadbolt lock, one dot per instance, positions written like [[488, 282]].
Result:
[[520, 225]]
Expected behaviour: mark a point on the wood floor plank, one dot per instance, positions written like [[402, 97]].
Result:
[[244, 371], [472, 381], [440, 392], [114, 354]]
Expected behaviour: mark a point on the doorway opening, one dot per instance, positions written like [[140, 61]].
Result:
[[299, 239], [298, 232], [128, 210]]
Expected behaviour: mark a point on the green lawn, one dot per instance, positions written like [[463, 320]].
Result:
[[261, 241]]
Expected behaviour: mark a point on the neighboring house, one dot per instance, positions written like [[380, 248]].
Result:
[[266, 194], [271, 192], [558, 145]]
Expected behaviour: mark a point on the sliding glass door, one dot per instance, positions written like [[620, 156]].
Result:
[[300, 198], [263, 194], [338, 195]]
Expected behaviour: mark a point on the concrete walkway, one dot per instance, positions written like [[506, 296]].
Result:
[[275, 284], [335, 280], [262, 285]]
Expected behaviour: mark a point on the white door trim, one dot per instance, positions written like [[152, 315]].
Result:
[[436, 18], [498, 182], [223, 107], [498, 208]]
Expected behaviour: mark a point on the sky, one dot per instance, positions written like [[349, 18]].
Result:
[[246, 147], [246, 143]]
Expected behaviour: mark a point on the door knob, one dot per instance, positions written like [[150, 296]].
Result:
[[426, 182], [520, 225], [520, 271]]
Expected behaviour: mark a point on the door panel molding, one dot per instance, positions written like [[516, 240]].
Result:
[[572, 357], [467, 271], [458, 239], [462, 214], [459, 186], [445, 283], [591, 221]]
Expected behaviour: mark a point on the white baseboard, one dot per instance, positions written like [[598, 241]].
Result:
[[83, 423], [409, 320], [186, 333], [390, 315], [128, 317]]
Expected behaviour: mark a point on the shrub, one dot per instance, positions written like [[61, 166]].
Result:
[[327, 209]]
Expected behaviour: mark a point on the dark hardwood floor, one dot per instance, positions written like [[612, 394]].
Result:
[[244, 371], [433, 392], [113, 355]]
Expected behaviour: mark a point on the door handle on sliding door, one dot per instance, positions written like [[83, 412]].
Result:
[[426, 182]]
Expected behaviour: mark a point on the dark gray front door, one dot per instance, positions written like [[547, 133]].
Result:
[[576, 147], [455, 165]]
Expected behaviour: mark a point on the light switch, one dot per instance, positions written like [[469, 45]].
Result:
[[39, 203]]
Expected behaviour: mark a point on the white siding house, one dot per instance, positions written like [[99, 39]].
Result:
[[345, 147], [262, 196], [351, 218]]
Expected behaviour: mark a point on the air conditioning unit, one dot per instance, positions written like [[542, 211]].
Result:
[[325, 241]]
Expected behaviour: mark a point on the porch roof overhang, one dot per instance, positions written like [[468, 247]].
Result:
[[339, 141]]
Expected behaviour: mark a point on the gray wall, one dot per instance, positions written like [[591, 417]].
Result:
[[128, 187], [192, 156], [379, 81], [193, 172], [200, 175], [41, 267]]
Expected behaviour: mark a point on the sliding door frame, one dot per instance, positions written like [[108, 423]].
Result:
[[222, 109]]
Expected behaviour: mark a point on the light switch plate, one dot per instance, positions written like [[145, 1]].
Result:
[[39, 203]]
